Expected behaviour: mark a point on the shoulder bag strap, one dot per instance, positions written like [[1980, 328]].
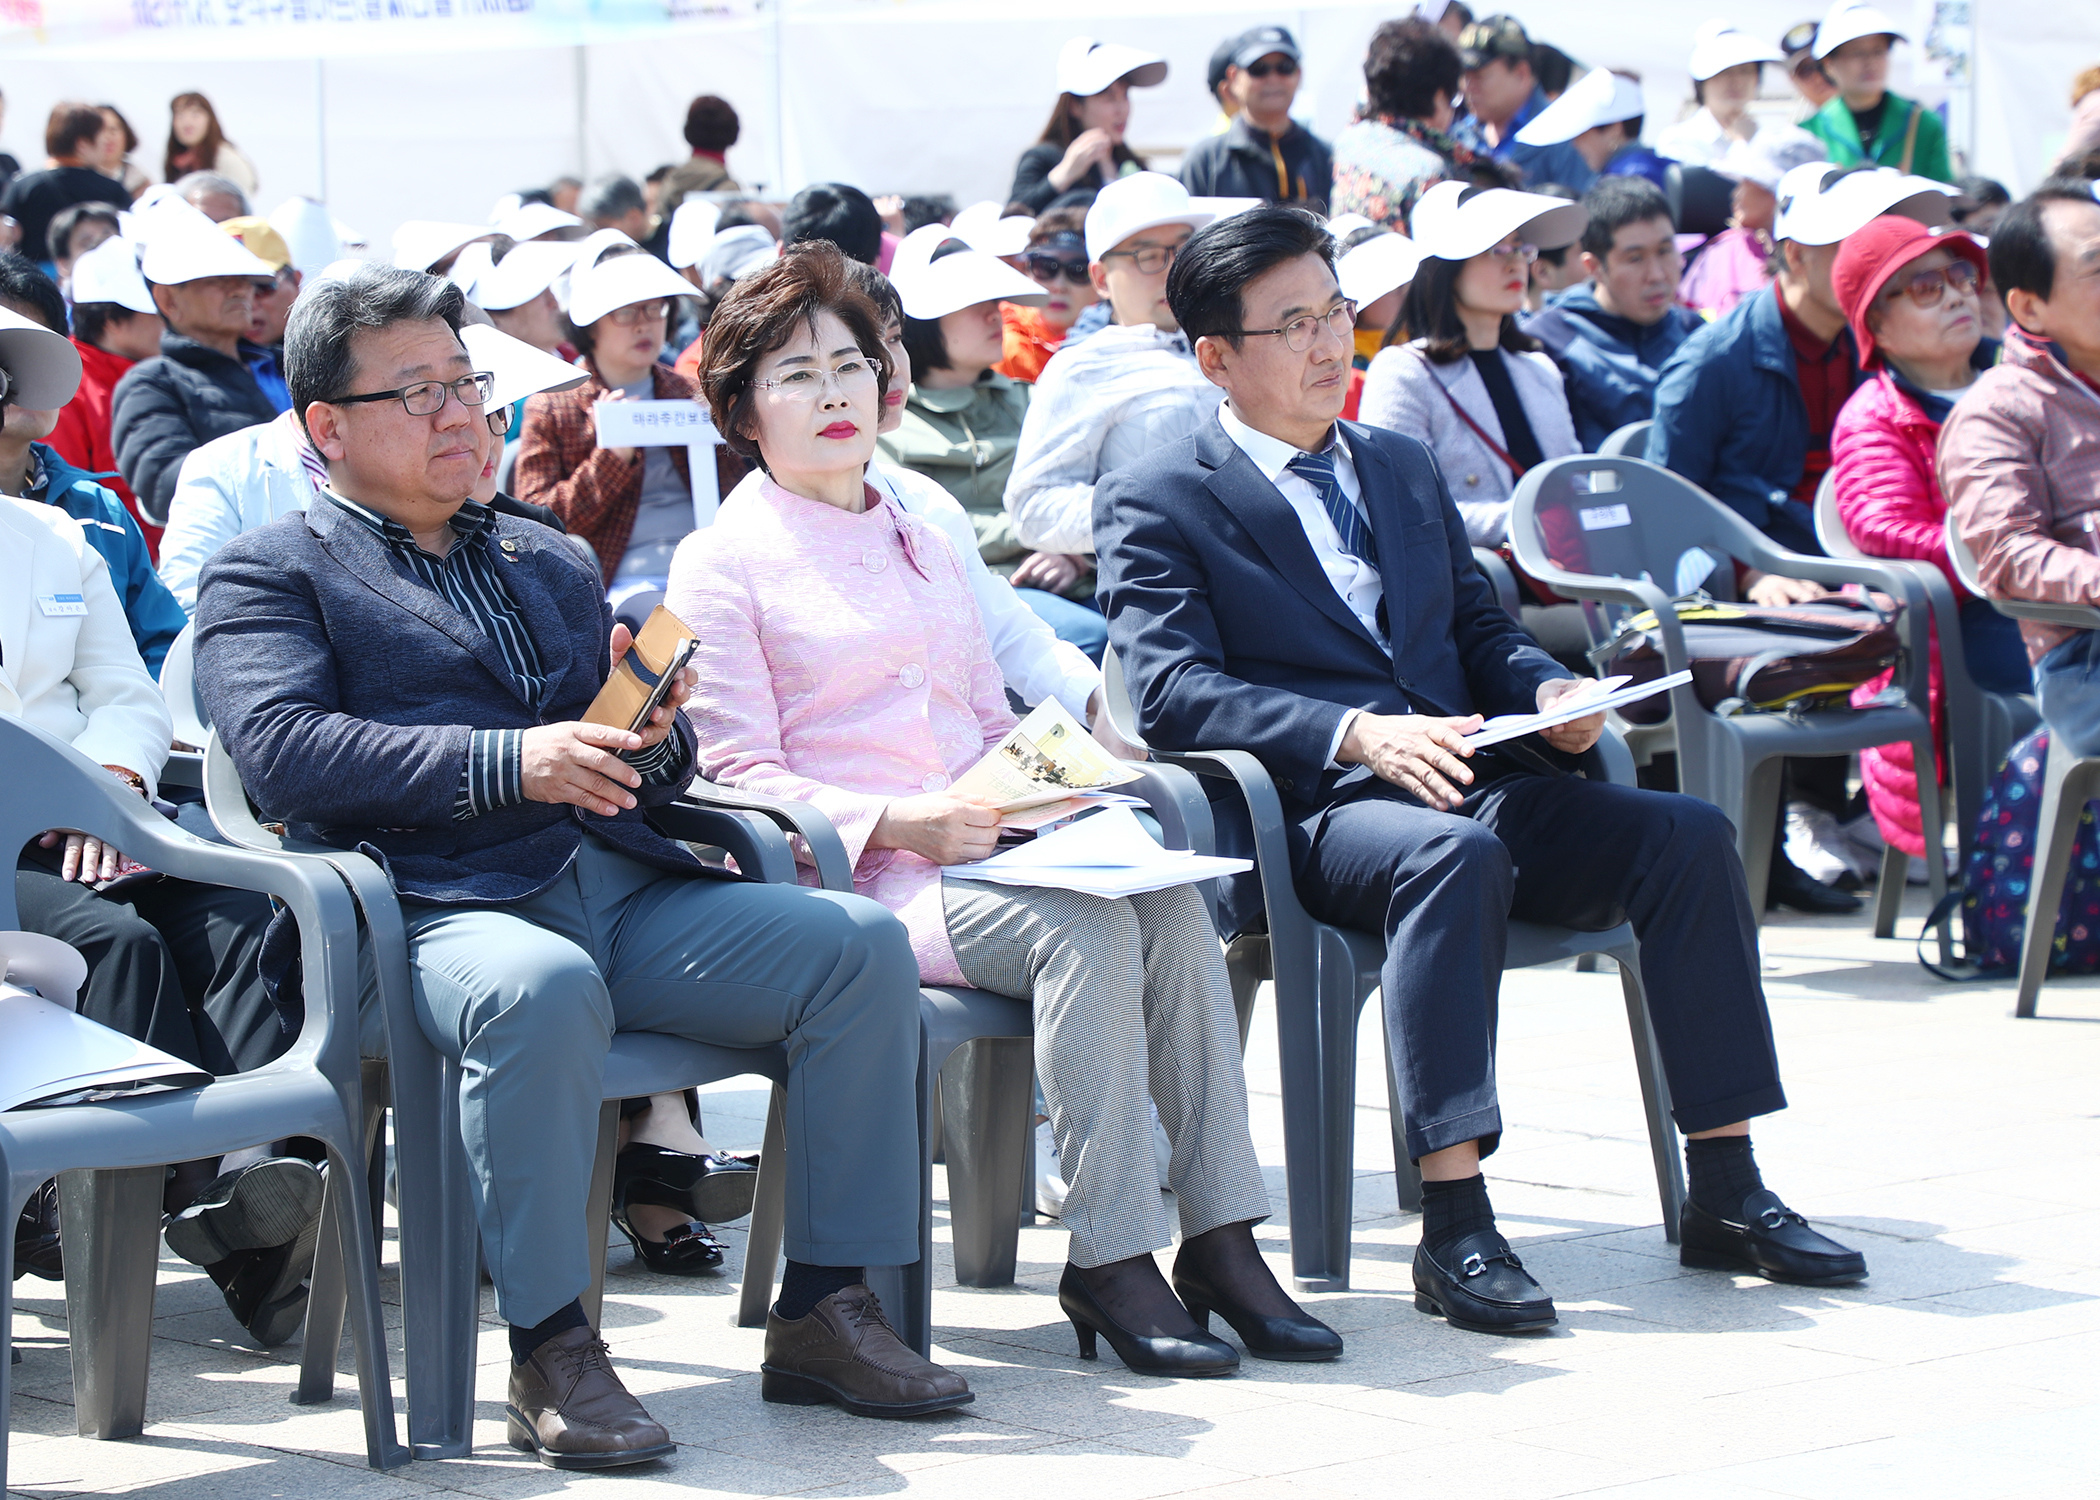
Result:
[[1516, 470], [1910, 136]]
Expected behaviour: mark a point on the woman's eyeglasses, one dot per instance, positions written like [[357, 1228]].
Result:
[[640, 312], [1047, 268], [1515, 250], [1927, 288], [852, 375]]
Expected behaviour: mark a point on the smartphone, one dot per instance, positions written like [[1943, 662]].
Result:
[[679, 660]]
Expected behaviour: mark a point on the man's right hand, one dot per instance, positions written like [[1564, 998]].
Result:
[[1418, 754], [935, 826], [576, 763]]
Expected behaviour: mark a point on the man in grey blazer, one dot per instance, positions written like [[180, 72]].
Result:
[[401, 671]]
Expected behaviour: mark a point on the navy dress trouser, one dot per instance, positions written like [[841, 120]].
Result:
[[1574, 853]]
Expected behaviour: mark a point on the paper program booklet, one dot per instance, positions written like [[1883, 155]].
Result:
[[1048, 757], [1106, 854], [51, 1055]]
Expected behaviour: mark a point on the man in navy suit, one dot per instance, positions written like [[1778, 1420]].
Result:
[[400, 671], [1302, 588]]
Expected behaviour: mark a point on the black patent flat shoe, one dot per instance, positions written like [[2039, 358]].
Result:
[[715, 1189], [1189, 1358], [1483, 1289], [1303, 1338], [37, 1248], [685, 1249], [1792, 887], [1773, 1242]]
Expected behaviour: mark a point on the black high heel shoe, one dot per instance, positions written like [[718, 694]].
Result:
[[38, 1251], [714, 1189], [1303, 1338], [685, 1249], [1191, 1358]]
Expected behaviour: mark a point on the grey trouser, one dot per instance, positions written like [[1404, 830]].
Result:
[[527, 997], [1130, 999]]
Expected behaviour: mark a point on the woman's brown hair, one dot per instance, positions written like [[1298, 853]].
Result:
[[1063, 129], [206, 150], [71, 129], [760, 314]]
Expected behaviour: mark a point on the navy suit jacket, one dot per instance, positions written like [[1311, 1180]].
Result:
[[345, 688], [1231, 636]]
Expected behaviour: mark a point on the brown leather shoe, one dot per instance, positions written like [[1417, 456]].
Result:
[[845, 1351], [568, 1406]]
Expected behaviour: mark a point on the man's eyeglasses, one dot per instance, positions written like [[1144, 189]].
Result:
[[1282, 67], [1927, 288], [1300, 334], [1149, 259], [640, 312], [805, 384], [1515, 250], [1047, 268], [427, 398]]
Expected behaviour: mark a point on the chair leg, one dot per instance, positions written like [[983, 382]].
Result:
[[2055, 835], [440, 1253], [1655, 1096], [598, 1207], [112, 1228], [1247, 964], [1407, 1177], [768, 1219], [985, 1098], [327, 1295], [1316, 1048], [1888, 891], [10, 1206], [358, 1253]]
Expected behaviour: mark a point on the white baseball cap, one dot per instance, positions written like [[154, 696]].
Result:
[[1718, 46], [528, 221], [1131, 205], [1820, 204], [738, 251], [692, 230], [1341, 226], [420, 244], [43, 368], [1601, 97], [620, 282], [520, 369], [1848, 21], [1384, 263], [1450, 230], [1086, 67], [1770, 154], [962, 278], [523, 274], [110, 273], [181, 245], [982, 226], [308, 231]]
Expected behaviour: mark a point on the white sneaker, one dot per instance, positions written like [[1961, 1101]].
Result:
[[1815, 844], [1861, 843], [1049, 1187]]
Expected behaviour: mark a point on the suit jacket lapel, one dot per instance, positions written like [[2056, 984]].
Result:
[[551, 632]]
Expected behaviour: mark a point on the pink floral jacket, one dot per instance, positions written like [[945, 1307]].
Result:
[[842, 662]]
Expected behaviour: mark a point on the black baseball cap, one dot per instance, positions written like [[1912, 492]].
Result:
[[1251, 46], [1220, 60], [1497, 36]]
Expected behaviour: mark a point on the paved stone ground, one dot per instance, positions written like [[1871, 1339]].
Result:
[[1956, 1145]]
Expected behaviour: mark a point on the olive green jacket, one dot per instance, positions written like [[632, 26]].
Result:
[[964, 440]]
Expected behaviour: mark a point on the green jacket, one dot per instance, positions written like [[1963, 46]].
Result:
[[964, 440], [1834, 126]]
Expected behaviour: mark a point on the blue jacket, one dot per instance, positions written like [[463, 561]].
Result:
[[1636, 160], [1561, 164], [345, 689], [1610, 364], [156, 619], [1729, 417]]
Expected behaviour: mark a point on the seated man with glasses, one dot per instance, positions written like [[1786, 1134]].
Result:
[[399, 670], [1302, 589], [1122, 392]]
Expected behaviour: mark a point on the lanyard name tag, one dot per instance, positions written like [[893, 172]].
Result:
[[57, 606]]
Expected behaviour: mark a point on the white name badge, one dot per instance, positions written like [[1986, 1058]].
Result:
[[667, 424], [57, 606], [1604, 517]]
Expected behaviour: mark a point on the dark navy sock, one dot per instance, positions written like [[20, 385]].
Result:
[[1722, 1174], [803, 1286], [1453, 1210], [524, 1340]]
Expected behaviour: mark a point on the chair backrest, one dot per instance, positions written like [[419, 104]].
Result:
[[1630, 441], [1628, 518], [1830, 526], [1115, 700], [2077, 616], [178, 684]]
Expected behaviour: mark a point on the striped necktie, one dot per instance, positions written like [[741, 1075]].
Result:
[[1317, 470]]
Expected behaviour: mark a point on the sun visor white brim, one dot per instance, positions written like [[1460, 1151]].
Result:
[[523, 274], [1486, 221], [1850, 26], [1854, 202], [1731, 50], [1379, 265], [110, 273], [962, 280], [621, 282], [519, 369], [43, 368], [1600, 98]]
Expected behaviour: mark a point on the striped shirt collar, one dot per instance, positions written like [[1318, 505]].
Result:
[[473, 521]]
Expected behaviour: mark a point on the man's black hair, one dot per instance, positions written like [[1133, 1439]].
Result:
[[924, 209], [319, 363], [30, 292], [1614, 203], [838, 212], [92, 321], [1552, 68], [1558, 256], [1215, 264], [59, 241], [2022, 257], [613, 197]]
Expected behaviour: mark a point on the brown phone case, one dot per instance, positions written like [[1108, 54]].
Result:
[[628, 693]]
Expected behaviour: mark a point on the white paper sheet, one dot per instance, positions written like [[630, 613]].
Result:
[[1106, 854], [47, 1050], [1609, 693]]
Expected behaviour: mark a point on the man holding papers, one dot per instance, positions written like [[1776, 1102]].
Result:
[[1302, 588]]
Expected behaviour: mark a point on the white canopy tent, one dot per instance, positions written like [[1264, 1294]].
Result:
[[398, 109]]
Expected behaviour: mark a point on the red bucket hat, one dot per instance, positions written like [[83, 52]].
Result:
[[1871, 255]]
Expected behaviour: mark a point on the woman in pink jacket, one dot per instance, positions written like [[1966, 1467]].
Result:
[[843, 662], [1910, 294]]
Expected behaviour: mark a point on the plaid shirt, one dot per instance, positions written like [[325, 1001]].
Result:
[[467, 578]]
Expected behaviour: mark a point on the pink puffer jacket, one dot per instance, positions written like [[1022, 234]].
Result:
[[1882, 450]]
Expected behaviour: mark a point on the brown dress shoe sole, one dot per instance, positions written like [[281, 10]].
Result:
[[792, 1389], [521, 1436]]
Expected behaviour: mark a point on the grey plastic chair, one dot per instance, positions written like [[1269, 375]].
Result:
[[2068, 783], [976, 1053], [1981, 726], [1630, 441], [1323, 974], [178, 685], [1637, 522], [110, 1156], [438, 1237]]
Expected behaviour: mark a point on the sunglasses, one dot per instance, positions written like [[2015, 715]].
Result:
[[1047, 268], [1928, 288], [1283, 67]]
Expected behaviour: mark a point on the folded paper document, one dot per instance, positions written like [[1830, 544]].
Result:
[[1107, 853], [1595, 697], [1045, 758], [49, 1054]]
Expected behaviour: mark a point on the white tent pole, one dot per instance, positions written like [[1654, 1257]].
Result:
[[582, 109], [321, 123], [775, 40]]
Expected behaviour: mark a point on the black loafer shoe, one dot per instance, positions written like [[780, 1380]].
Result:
[[1775, 1243], [1791, 886], [1484, 1289]]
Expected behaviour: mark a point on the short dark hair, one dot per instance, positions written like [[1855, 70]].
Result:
[[2022, 256], [30, 292], [70, 124], [1407, 64], [838, 212], [614, 197], [711, 124], [1614, 203], [60, 239], [876, 287], [927, 208], [1429, 311], [92, 321], [131, 137], [1552, 68], [1558, 255], [1978, 193], [759, 315], [319, 361], [737, 212], [1215, 264]]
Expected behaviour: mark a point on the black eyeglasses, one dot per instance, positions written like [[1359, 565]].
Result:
[[1047, 268], [1283, 67], [427, 398]]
